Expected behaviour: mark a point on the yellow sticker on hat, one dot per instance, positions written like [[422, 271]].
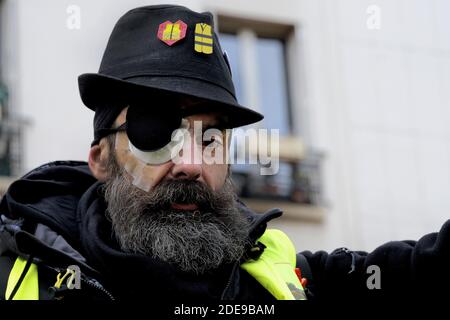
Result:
[[170, 32], [203, 38]]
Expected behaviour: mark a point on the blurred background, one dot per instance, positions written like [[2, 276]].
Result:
[[360, 91]]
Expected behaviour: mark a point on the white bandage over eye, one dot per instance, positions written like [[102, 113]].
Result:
[[166, 153], [139, 164]]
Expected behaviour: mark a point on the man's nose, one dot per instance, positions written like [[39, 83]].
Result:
[[187, 171], [190, 165]]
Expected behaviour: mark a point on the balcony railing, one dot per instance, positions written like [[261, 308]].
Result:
[[296, 188]]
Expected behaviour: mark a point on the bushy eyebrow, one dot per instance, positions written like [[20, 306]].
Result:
[[214, 124], [220, 127]]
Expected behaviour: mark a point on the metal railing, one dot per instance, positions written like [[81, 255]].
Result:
[[10, 146], [299, 180]]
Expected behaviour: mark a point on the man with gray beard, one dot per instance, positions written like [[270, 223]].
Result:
[[151, 217], [194, 241], [144, 219]]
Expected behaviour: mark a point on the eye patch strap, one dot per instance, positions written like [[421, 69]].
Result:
[[107, 131]]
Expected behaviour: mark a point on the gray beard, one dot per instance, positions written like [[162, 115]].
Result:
[[194, 241]]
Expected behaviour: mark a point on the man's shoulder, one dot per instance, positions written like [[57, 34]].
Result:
[[59, 166], [49, 194], [72, 175]]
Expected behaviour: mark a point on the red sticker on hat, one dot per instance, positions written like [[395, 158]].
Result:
[[170, 32]]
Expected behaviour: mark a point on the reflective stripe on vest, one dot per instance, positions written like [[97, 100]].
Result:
[[275, 268], [29, 288]]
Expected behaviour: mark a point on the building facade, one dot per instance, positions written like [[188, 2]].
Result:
[[358, 89]]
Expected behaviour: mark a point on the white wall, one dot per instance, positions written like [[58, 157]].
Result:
[[380, 104], [375, 101]]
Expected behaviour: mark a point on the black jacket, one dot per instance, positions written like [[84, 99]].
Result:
[[55, 214]]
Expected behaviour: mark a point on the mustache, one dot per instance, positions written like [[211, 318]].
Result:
[[169, 192], [202, 240]]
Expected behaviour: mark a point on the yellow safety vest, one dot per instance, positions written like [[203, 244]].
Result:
[[29, 287], [275, 267], [274, 270]]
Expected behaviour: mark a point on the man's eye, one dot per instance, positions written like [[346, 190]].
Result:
[[215, 141]]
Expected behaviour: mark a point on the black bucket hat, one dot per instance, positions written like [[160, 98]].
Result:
[[163, 51]]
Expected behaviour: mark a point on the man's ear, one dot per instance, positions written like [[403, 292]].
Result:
[[98, 159]]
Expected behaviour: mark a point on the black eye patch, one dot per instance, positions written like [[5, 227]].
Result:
[[150, 130]]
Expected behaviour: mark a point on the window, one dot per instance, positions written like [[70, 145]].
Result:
[[9, 138], [272, 81], [257, 52], [5, 169]]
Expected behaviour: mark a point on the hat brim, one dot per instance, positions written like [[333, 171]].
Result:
[[99, 90]]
